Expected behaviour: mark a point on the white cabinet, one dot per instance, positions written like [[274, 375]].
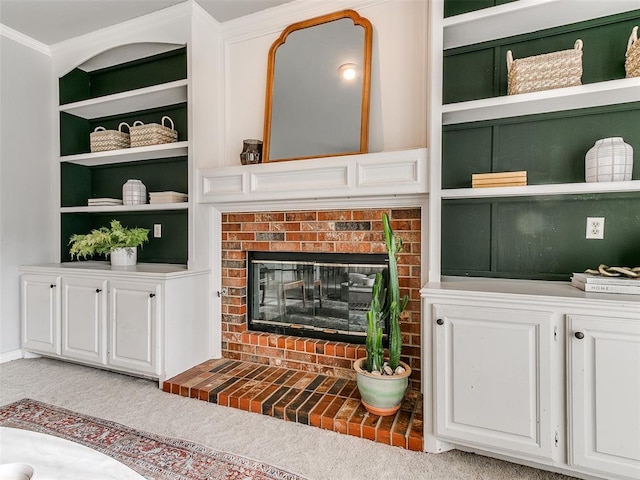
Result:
[[152, 320], [493, 378], [39, 316], [604, 389], [83, 307], [134, 326], [539, 373]]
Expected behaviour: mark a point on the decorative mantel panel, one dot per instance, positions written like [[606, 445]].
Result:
[[375, 175]]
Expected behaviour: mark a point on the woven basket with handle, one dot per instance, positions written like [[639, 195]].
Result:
[[143, 135], [632, 62], [101, 139], [545, 72]]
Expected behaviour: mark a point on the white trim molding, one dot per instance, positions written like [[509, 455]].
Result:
[[397, 178], [25, 40]]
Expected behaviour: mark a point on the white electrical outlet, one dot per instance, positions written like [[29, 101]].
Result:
[[595, 228], [157, 230]]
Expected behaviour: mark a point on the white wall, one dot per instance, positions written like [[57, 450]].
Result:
[[27, 203], [398, 117]]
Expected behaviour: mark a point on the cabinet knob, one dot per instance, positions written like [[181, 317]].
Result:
[[53, 285], [151, 295], [440, 321], [579, 335], [98, 290]]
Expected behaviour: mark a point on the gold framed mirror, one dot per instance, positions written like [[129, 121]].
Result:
[[318, 89]]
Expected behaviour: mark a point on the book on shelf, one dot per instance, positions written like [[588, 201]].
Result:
[[606, 288], [499, 179], [103, 201], [600, 279]]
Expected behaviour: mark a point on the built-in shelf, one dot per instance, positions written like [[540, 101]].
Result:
[[166, 150], [524, 16], [613, 92], [170, 93], [537, 190], [126, 208]]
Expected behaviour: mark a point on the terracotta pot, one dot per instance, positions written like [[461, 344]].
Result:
[[381, 394]]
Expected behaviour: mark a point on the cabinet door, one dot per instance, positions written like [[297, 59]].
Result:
[[493, 379], [40, 318], [134, 326], [604, 391], [83, 319]]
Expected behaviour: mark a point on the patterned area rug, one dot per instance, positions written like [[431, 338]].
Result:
[[152, 456]]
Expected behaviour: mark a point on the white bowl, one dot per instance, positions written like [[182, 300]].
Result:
[[17, 471]]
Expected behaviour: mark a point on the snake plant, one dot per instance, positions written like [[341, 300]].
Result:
[[386, 305]]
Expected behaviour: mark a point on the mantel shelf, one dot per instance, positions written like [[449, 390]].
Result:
[[166, 150], [538, 190], [126, 208], [613, 92], [162, 95], [351, 178], [523, 16]]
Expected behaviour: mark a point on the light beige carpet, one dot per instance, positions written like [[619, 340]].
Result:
[[308, 451]]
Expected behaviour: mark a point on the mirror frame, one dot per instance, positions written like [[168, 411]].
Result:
[[366, 80]]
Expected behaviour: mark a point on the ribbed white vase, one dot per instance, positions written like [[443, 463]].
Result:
[[134, 193], [124, 257], [609, 160]]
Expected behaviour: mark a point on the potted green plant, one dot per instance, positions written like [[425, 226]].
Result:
[[382, 385], [118, 242]]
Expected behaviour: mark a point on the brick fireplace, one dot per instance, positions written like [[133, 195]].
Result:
[[326, 231]]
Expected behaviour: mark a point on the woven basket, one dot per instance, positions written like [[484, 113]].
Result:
[[101, 140], [152, 133], [545, 72], [632, 63]]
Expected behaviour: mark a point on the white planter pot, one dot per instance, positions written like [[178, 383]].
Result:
[[124, 257], [609, 160]]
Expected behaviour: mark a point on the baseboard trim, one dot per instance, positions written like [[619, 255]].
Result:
[[12, 355]]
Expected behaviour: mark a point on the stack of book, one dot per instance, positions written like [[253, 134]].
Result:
[[602, 284], [167, 197], [501, 179], [102, 202]]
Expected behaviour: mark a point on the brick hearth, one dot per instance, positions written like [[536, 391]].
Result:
[[334, 231], [328, 402]]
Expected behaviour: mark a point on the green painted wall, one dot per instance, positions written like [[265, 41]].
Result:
[[480, 71], [79, 183], [79, 85], [537, 237], [171, 248], [456, 7]]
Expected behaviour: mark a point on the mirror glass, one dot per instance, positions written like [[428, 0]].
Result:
[[318, 83]]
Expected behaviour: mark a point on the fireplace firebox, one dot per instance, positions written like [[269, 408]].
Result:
[[316, 295]]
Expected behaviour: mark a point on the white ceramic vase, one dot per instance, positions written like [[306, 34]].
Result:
[[134, 192], [124, 257], [609, 160]]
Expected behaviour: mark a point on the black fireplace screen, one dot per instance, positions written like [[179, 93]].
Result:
[[312, 295]]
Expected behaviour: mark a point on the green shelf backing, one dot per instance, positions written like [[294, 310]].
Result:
[[457, 7], [171, 248], [480, 71], [75, 131], [79, 183], [550, 147], [166, 67], [538, 237]]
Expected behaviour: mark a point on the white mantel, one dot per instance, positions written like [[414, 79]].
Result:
[[383, 179]]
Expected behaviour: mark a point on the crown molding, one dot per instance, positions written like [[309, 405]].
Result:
[[169, 25], [276, 19], [25, 40]]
